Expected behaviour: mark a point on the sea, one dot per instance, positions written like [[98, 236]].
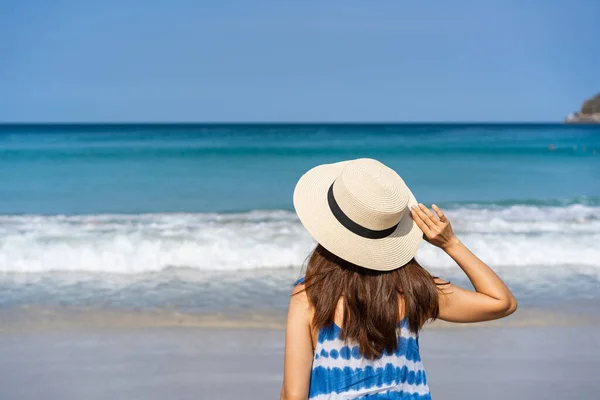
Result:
[[198, 219]]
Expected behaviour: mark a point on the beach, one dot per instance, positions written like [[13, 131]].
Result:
[[156, 261], [552, 357]]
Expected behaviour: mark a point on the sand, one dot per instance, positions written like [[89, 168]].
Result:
[[501, 361]]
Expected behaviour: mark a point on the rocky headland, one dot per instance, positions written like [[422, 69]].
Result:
[[589, 113]]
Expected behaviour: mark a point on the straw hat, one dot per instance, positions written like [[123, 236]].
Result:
[[360, 211]]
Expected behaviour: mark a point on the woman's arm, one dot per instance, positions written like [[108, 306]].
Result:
[[298, 348], [491, 299]]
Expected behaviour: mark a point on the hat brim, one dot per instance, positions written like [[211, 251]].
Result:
[[310, 202]]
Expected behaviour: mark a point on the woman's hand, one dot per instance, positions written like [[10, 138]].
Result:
[[436, 230]]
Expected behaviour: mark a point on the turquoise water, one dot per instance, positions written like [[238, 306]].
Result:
[[175, 168], [148, 215]]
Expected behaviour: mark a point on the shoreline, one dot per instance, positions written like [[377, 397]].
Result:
[[29, 319]]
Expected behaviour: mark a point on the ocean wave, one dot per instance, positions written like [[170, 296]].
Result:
[[542, 204], [514, 236]]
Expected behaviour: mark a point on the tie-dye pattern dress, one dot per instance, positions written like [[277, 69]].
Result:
[[340, 372]]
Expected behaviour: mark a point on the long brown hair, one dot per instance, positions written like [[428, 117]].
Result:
[[370, 299]]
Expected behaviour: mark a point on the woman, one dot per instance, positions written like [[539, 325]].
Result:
[[353, 320]]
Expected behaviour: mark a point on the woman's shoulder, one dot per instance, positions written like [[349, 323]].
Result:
[[299, 309], [299, 290]]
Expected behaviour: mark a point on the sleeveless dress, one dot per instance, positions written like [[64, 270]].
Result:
[[340, 372]]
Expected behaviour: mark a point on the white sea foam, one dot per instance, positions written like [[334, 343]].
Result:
[[519, 236]]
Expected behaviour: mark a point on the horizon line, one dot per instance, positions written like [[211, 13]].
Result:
[[113, 123]]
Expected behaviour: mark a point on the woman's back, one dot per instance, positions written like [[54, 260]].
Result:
[[339, 371]]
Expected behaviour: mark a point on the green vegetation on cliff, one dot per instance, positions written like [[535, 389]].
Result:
[[591, 106]]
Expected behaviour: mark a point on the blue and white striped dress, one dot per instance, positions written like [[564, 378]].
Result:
[[340, 372]]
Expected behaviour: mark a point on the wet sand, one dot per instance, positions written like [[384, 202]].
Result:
[[494, 361]]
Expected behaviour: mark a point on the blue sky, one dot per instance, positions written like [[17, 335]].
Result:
[[235, 61]]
